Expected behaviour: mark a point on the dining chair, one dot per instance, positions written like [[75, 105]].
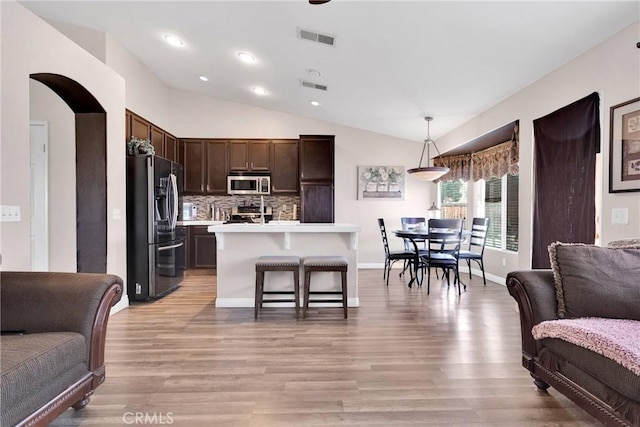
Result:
[[443, 249], [477, 242], [390, 257], [408, 224]]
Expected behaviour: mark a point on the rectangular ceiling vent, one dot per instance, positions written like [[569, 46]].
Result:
[[316, 37], [312, 85]]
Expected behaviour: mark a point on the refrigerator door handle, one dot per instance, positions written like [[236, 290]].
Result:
[[174, 196], [166, 248]]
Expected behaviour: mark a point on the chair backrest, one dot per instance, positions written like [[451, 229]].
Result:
[[445, 235], [410, 223], [478, 237], [383, 233]]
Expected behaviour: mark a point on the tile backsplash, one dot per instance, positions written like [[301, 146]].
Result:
[[225, 203]]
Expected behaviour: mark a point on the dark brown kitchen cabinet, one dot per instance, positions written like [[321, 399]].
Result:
[[193, 164], [157, 140], [316, 157], [140, 128], [317, 201], [317, 178], [170, 147], [203, 247], [284, 166], [253, 155], [127, 125], [204, 162], [215, 167], [164, 144]]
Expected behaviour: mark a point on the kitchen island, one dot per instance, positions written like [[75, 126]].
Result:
[[240, 245]]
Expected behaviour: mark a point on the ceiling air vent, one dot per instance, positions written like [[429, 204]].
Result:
[[312, 85], [316, 37]]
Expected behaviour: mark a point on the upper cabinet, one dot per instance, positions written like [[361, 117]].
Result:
[[193, 165], [170, 147], [216, 166], [157, 140], [284, 166], [140, 128], [249, 155], [204, 162], [164, 144], [316, 158]]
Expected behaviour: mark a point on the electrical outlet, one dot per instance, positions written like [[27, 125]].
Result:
[[504, 262], [117, 214], [620, 216]]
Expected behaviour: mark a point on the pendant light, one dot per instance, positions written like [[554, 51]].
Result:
[[428, 173]]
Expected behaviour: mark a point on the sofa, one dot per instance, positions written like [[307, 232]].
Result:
[[580, 325], [52, 343]]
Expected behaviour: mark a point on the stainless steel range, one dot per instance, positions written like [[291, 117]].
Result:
[[241, 214]]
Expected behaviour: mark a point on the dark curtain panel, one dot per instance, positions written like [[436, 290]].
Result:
[[565, 147]]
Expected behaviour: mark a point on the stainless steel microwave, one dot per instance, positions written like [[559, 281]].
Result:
[[245, 183]]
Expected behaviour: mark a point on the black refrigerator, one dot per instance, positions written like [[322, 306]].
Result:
[[155, 245]]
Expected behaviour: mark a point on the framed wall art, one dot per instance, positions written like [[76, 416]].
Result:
[[624, 147], [381, 182]]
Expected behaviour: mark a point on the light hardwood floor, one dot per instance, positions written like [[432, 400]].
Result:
[[402, 357]]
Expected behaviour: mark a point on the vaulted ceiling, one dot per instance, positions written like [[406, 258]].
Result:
[[392, 63]]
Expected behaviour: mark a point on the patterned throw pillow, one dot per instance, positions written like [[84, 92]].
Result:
[[626, 243], [594, 281]]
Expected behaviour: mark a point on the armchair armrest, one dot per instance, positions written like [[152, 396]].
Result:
[[55, 302], [534, 291]]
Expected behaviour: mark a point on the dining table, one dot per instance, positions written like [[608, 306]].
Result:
[[419, 235]]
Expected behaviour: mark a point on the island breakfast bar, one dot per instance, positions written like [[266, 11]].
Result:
[[240, 245]]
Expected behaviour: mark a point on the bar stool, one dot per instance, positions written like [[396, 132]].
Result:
[[277, 263], [325, 263]]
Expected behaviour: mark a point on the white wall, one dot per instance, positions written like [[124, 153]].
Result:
[[29, 45], [146, 95], [198, 116], [45, 105], [612, 69]]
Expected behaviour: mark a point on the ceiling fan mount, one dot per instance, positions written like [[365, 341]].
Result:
[[319, 1]]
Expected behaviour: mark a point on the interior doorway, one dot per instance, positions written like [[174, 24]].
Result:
[[91, 170], [39, 165]]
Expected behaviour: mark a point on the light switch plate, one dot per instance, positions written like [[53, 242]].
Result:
[[9, 213], [620, 216]]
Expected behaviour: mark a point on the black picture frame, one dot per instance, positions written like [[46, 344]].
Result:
[[624, 147]]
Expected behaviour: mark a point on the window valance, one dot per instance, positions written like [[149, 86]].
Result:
[[496, 161], [459, 165]]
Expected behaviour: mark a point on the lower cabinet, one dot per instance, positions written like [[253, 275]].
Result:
[[202, 253]]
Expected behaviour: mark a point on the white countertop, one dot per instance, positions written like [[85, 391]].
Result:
[[286, 228], [200, 222]]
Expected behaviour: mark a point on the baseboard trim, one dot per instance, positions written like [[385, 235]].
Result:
[[249, 303]]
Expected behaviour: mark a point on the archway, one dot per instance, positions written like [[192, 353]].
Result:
[[91, 170]]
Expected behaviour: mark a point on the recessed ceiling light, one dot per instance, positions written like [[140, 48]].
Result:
[[204, 78], [314, 103], [314, 73], [246, 57], [259, 90], [173, 40]]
